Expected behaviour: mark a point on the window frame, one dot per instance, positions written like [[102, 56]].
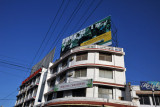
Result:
[[62, 78], [143, 99], [64, 63], [106, 56], [105, 70], [80, 71], [102, 93], [82, 56]]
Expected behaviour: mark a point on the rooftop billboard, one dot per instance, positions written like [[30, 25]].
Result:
[[150, 85], [98, 33]]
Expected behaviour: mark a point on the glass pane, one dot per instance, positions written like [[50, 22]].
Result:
[[77, 73], [108, 74], [141, 99], [103, 91], [108, 57], [101, 73], [101, 57], [110, 96], [146, 100], [78, 58], [99, 90], [83, 73], [105, 96], [84, 57]]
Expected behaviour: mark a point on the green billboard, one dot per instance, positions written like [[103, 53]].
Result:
[[98, 33]]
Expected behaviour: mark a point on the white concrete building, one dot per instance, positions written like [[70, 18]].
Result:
[[90, 75], [31, 89], [145, 98]]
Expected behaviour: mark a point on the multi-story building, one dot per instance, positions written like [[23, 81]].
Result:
[[91, 75], [145, 98], [31, 89]]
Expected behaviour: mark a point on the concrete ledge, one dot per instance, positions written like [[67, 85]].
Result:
[[88, 101]]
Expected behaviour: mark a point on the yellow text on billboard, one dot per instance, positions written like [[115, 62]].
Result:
[[104, 37]]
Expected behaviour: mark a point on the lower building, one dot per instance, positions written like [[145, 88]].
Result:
[[145, 98]]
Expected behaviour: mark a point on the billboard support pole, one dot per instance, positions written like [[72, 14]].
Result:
[[114, 35], [153, 97]]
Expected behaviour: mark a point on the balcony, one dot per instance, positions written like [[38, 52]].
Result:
[[30, 97], [90, 47], [82, 101]]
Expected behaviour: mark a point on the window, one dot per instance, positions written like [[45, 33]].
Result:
[[104, 92], [62, 78], [79, 92], [64, 63], [52, 82], [60, 94], [81, 72], [54, 70], [144, 100], [81, 56], [157, 99], [106, 73], [50, 97], [105, 57]]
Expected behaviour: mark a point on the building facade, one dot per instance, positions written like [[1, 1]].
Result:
[[91, 75], [31, 89], [145, 98]]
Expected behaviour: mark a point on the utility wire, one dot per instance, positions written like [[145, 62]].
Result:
[[68, 21], [79, 5], [10, 94], [90, 14], [65, 8], [84, 13], [13, 68], [7, 99], [12, 62], [13, 58], [15, 65], [46, 34], [11, 74]]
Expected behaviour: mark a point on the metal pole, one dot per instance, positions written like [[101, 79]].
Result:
[[153, 97]]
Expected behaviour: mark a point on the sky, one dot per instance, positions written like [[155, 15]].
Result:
[[24, 25]]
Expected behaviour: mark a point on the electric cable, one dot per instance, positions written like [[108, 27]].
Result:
[[90, 14], [14, 58], [46, 34], [54, 28], [12, 62], [9, 95], [11, 74], [7, 99], [68, 21], [88, 8], [15, 65]]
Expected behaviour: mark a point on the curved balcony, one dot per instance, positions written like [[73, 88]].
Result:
[[86, 101], [90, 48]]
